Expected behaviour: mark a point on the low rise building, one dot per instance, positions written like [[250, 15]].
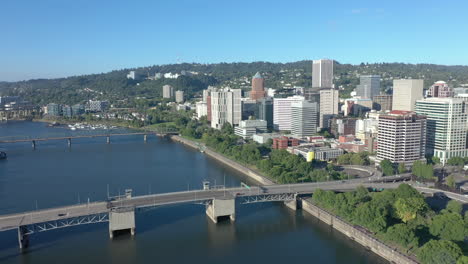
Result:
[[247, 128], [311, 153], [284, 142]]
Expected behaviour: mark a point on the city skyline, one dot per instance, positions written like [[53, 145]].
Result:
[[71, 39]]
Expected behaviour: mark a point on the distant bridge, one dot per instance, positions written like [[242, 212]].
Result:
[[68, 138], [120, 211]]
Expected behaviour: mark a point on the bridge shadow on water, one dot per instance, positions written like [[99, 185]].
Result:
[[44, 240]]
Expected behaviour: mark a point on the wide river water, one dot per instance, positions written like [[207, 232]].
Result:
[[55, 175]]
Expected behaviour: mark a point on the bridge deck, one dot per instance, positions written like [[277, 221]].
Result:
[[13, 221], [82, 136]]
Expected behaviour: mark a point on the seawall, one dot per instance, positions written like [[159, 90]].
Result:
[[248, 172], [361, 236]]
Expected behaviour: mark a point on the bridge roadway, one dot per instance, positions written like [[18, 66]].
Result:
[[13, 221], [18, 140]]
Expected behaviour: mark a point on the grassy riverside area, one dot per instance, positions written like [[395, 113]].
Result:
[[403, 219]]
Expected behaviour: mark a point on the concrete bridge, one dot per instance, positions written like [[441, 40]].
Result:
[[120, 211]]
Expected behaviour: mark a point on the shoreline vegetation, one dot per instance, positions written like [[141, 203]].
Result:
[[401, 218]]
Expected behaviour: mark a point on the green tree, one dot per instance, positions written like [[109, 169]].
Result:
[[403, 235], [454, 207], [449, 226], [408, 208], [401, 168], [357, 160], [451, 182], [463, 260], [387, 167], [435, 160], [456, 161], [439, 252]]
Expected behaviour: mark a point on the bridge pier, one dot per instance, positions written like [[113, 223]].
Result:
[[23, 238], [108, 139], [221, 207], [69, 142], [145, 137], [294, 204], [122, 219], [34, 144]]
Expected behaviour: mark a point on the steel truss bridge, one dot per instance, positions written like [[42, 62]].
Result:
[[31, 222]]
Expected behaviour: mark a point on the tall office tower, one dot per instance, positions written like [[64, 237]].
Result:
[[258, 89], [322, 78], [328, 106], [249, 108], [179, 96], [304, 118], [168, 91], [265, 111], [446, 127], [225, 107], [401, 137], [382, 102], [405, 93], [282, 112], [322, 74], [369, 86], [440, 89]]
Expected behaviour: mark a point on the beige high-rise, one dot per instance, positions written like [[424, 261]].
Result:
[[328, 106], [406, 93]]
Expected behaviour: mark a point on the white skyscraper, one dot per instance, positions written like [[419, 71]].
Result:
[[328, 106], [401, 137], [225, 107], [282, 112], [304, 118], [322, 73], [405, 94], [168, 91], [446, 127]]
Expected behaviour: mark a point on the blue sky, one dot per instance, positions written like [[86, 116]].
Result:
[[56, 38]]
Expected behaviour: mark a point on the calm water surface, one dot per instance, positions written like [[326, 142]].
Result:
[[54, 175]]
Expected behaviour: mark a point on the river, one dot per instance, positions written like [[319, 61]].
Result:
[[54, 175]]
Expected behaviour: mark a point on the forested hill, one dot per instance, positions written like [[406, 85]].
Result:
[[115, 86]]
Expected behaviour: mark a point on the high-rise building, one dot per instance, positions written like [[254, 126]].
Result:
[[225, 107], [168, 91], [201, 109], [258, 89], [265, 111], [304, 118], [179, 96], [54, 109], [382, 102], [440, 89], [282, 112], [405, 93], [369, 86], [401, 137], [249, 108], [78, 109], [446, 127], [328, 106], [322, 74]]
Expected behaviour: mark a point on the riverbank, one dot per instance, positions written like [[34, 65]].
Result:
[[354, 233], [248, 172]]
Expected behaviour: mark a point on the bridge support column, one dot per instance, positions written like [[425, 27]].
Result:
[[294, 204], [144, 138], [69, 142], [122, 219], [23, 238], [221, 207], [108, 139], [34, 144]]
